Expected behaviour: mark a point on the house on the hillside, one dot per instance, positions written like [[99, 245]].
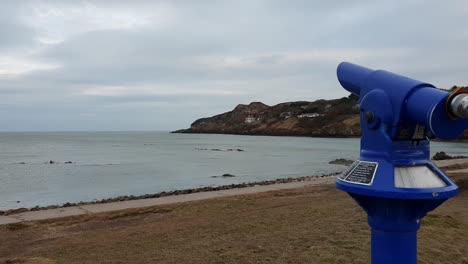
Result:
[[285, 115], [197, 124], [308, 115], [249, 119]]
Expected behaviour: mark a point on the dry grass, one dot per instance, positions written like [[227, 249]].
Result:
[[312, 225], [352, 121]]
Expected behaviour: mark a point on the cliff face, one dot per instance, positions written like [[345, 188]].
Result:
[[322, 118]]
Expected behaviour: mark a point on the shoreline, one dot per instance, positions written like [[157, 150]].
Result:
[[123, 198], [454, 164]]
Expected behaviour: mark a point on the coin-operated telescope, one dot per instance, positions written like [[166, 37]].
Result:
[[394, 180]]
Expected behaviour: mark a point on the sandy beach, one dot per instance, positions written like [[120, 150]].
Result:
[[306, 223]]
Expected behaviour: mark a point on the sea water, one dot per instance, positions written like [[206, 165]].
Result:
[[110, 164]]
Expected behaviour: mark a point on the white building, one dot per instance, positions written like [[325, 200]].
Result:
[[249, 119], [285, 115], [308, 115]]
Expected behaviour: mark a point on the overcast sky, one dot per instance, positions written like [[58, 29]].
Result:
[[159, 65]]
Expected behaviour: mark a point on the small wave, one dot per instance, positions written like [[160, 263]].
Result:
[[98, 165], [275, 155]]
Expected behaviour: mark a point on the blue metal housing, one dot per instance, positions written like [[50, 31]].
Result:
[[400, 100], [397, 114]]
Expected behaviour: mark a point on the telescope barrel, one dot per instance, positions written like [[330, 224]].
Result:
[[406, 100], [352, 77]]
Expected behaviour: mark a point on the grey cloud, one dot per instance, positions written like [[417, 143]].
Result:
[[14, 35], [269, 51]]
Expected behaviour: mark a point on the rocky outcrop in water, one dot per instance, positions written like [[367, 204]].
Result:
[[444, 156], [341, 161], [225, 175]]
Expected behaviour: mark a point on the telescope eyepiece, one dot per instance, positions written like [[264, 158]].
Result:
[[459, 105]]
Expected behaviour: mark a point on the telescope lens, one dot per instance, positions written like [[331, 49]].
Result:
[[459, 106]]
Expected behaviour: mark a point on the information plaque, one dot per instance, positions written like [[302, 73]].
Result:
[[360, 172]]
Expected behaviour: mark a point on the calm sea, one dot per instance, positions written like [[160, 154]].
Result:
[[109, 164]]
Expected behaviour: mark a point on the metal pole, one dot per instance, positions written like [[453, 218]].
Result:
[[393, 247]]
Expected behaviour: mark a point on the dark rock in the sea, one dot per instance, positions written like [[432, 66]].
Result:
[[226, 175], [51, 162], [441, 156], [341, 161], [217, 149], [444, 156], [18, 202]]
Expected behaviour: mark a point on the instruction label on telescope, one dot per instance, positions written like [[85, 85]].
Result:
[[348, 170], [360, 172]]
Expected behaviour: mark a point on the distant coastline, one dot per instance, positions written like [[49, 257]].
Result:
[[322, 118]]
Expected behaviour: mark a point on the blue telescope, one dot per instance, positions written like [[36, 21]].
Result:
[[394, 180]]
